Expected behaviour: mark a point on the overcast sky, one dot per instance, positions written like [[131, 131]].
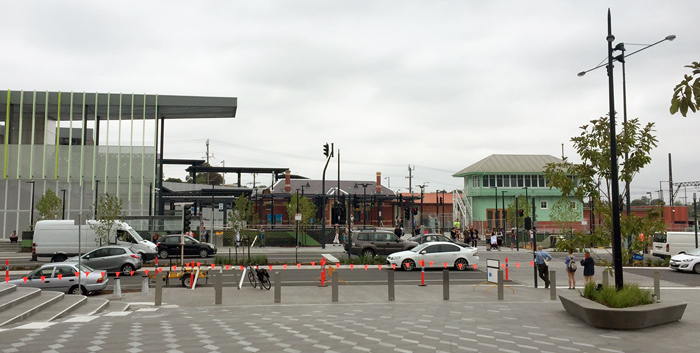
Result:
[[438, 85]]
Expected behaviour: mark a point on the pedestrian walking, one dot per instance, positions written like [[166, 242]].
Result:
[[570, 262], [588, 268], [541, 260], [336, 241], [499, 240], [475, 236], [512, 239], [453, 234], [398, 231]]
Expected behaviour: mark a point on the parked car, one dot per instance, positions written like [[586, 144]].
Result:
[[377, 242], [427, 238], [60, 276], [437, 253], [112, 258], [170, 245], [689, 261]]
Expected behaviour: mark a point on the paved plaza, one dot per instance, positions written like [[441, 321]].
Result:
[[363, 320]]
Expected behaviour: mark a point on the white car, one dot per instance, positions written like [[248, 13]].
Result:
[[689, 261], [435, 254]]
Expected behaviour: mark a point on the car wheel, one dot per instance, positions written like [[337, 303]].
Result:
[[163, 254], [696, 268], [461, 264], [126, 269], [408, 264], [203, 253], [368, 253], [187, 280], [59, 258], [76, 290]]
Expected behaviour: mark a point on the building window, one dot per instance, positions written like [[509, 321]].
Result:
[[475, 181], [573, 205], [543, 205], [492, 180], [520, 181], [542, 183], [499, 180]]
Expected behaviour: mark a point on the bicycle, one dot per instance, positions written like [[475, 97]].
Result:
[[259, 275]]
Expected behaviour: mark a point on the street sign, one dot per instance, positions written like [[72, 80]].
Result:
[[221, 206], [297, 217]]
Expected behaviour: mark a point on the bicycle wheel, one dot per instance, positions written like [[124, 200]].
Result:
[[265, 282], [251, 277]]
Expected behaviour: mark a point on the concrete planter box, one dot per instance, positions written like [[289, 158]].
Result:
[[634, 318]]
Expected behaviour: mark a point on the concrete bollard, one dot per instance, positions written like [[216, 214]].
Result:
[[605, 277], [334, 287], [158, 301], [657, 285], [144, 285], [218, 287], [278, 287], [500, 284], [446, 284], [390, 282], [553, 285], [117, 289]]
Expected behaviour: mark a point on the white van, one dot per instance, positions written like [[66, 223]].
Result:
[[667, 244], [59, 239]]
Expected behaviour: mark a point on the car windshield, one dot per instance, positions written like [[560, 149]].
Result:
[[694, 252], [135, 234]]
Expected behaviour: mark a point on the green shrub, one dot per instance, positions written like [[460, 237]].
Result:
[[630, 295]]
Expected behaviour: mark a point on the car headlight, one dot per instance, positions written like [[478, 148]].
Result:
[[687, 260]]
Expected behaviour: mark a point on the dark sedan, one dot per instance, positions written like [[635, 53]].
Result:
[[170, 245], [428, 238]]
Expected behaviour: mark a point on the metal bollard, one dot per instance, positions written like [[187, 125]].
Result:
[[334, 287], [144, 285], [605, 277], [657, 285], [117, 289], [218, 287], [553, 285], [278, 287], [446, 284], [159, 289], [390, 281], [500, 284]]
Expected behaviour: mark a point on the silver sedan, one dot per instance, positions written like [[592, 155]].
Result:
[[64, 277]]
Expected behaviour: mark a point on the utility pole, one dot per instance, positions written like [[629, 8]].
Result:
[[410, 189]]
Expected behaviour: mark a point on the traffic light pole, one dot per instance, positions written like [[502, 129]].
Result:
[[328, 154]]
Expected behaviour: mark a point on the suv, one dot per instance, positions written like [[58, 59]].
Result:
[[376, 242]]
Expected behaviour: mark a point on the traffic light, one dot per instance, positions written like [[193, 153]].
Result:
[[441, 200], [528, 223], [406, 213], [521, 213], [325, 150], [400, 198], [415, 211], [186, 218]]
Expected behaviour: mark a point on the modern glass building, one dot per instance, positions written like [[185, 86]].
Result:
[[81, 145]]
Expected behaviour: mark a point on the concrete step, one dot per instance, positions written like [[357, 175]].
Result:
[[17, 297], [29, 307], [10, 247], [91, 307], [118, 306], [60, 308], [6, 289]]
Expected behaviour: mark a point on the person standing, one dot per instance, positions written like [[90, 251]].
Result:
[[457, 224], [513, 239], [336, 241], [588, 268], [541, 258], [475, 237], [262, 237], [203, 234], [570, 262], [398, 231]]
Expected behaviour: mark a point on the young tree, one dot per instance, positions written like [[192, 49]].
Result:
[[109, 211], [49, 206], [686, 95], [242, 213], [581, 180], [565, 215], [306, 207]]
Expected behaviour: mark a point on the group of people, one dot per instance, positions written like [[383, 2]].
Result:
[[542, 259]]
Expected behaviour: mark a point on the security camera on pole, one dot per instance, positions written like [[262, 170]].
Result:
[[329, 154]]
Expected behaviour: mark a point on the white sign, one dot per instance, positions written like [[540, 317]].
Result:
[[583, 223], [221, 206], [297, 217]]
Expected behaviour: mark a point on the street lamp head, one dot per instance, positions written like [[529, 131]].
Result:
[[610, 38], [582, 73], [671, 37], [620, 46]]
